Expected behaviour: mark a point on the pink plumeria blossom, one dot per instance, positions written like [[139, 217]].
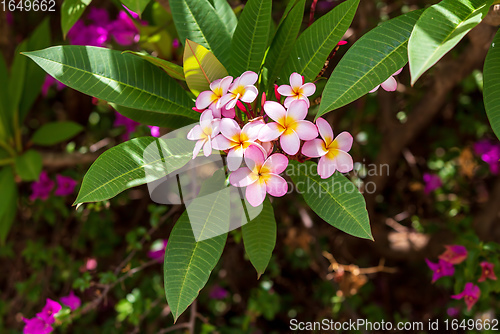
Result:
[[389, 85], [65, 185], [204, 132], [71, 301], [48, 312], [487, 271], [440, 269], [298, 90], [237, 140], [261, 175], [289, 125], [470, 294], [36, 326], [332, 152], [241, 89], [454, 254], [210, 98]]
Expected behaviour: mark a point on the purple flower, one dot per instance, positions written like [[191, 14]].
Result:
[[92, 35], [440, 269], [470, 294], [124, 30], [49, 310], [453, 312], [155, 131], [65, 185], [218, 292], [158, 254], [176, 43], [489, 153], [72, 301], [487, 271], [454, 254], [128, 123], [432, 182], [36, 326], [99, 17], [41, 188], [49, 82]]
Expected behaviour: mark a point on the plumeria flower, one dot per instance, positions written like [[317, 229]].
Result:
[[48, 312], [237, 140], [204, 133], [298, 90], [242, 89], [454, 254], [71, 301], [332, 152], [36, 326], [261, 176], [487, 271], [440, 269], [210, 98], [289, 125], [389, 85], [470, 294]]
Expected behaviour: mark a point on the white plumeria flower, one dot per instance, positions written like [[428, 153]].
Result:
[[209, 98], [332, 153], [289, 125], [389, 85], [204, 132], [242, 89], [297, 90], [237, 140]]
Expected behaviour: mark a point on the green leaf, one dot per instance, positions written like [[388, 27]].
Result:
[[123, 167], [201, 67], [249, 43], [336, 199], [369, 62], [17, 79], [56, 132], [137, 6], [188, 263], [283, 41], [198, 21], [491, 91], [153, 118], [71, 11], [439, 29], [226, 15], [259, 237], [29, 165], [119, 78], [174, 70], [315, 44], [8, 204], [5, 109]]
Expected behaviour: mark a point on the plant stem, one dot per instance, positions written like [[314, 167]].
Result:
[[9, 149], [7, 161]]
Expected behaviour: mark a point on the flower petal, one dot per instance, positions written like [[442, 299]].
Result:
[[308, 89], [295, 81], [306, 130], [256, 193], [344, 141], [276, 163], [215, 84], [390, 84], [270, 131], [229, 113], [325, 130], [207, 148], [205, 99], [205, 117], [374, 89], [248, 78], [275, 111], [326, 167], [235, 158], [195, 133], [297, 111], [251, 130], [398, 71], [285, 90], [276, 185], [289, 100], [290, 142], [242, 177], [198, 146], [343, 161], [254, 158], [250, 94], [223, 101], [314, 148], [222, 143], [230, 129]]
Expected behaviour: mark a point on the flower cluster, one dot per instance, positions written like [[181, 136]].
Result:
[[456, 254], [489, 153], [42, 323], [43, 187], [265, 138]]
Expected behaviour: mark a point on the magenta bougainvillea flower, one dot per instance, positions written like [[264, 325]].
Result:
[[155, 131], [389, 85], [298, 90], [242, 89], [489, 153], [42, 188], [261, 175], [332, 152], [72, 301], [92, 35], [65, 185], [454, 254], [48, 312], [289, 125], [440, 269], [487, 271], [453, 312], [470, 294], [432, 182], [218, 292], [36, 326], [158, 254], [49, 82], [210, 98], [204, 133], [129, 124], [124, 30]]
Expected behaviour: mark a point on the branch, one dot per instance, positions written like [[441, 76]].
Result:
[[54, 160]]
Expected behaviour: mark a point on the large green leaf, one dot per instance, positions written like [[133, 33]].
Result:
[[492, 84], [17, 79], [226, 14], [284, 39], [8, 204], [259, 237], [336, 199], [29, 165], [55, 132], [119, 78], [137, 6], [369, 62], [153, 118], [200, 67], [439, 29], [174, 70], [198, 21], [188, 263], [250, 38], [124, 166], [71, 11], [313, 46]]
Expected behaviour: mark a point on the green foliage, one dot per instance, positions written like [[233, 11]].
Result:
[[369, 62], [250, 38], [29, 165], [71, 11], [313, 46], [123, 79], [439, 29], [8, 204], [336, 199], [56, 132], [492, 84], [153, 118], [226, 14], [4, 98], [137, 6], [174, 70]]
